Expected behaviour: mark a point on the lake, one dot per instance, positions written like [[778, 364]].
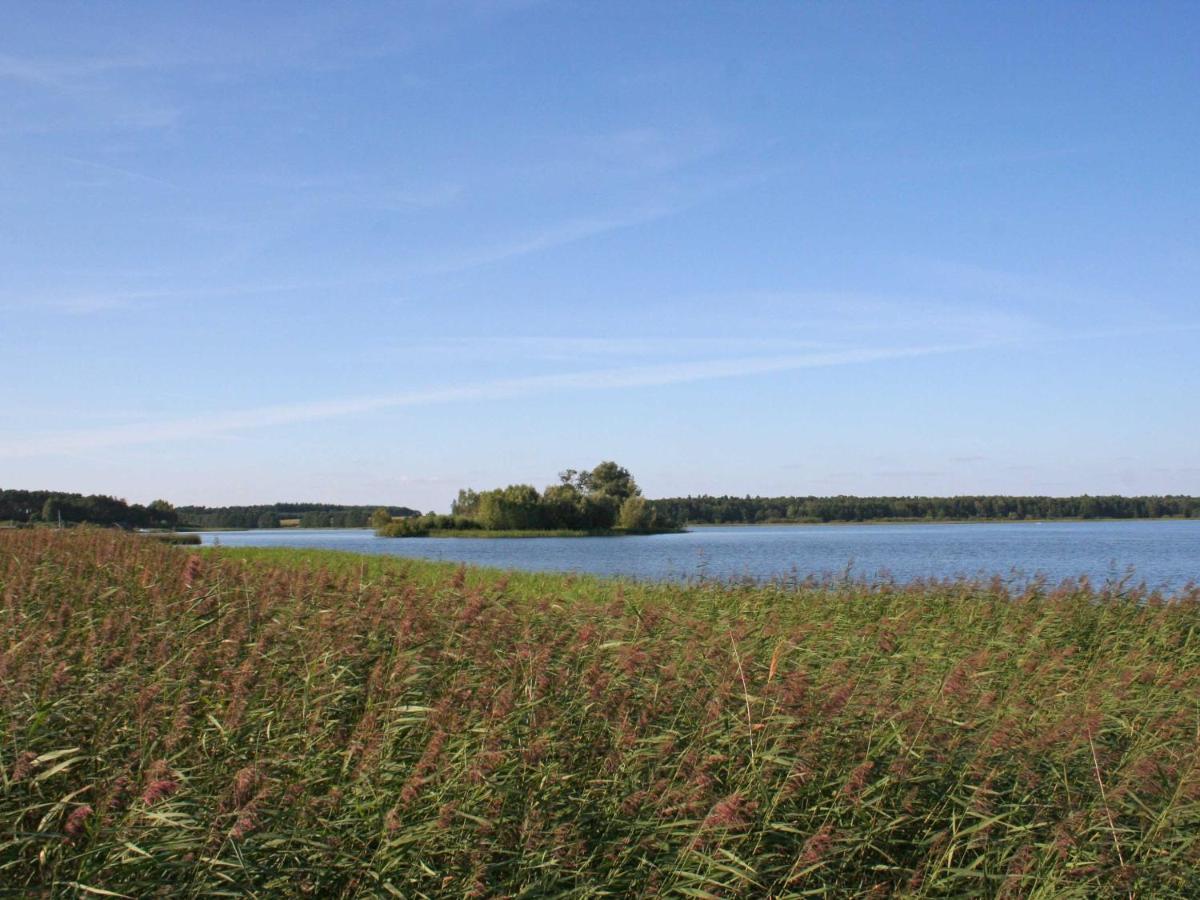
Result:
[[1162, 553]]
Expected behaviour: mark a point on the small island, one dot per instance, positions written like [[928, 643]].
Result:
[[601, 502]]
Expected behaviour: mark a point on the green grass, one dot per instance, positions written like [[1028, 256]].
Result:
[[295, 722]]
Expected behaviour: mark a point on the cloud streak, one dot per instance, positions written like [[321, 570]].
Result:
[[66, 75], [123, 172], [558, 235], [563, 349], [220, 424]]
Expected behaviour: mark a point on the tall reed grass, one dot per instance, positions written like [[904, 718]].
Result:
[[313, 724]]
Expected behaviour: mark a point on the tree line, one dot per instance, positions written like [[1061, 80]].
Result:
[[598, 499], [33, 507], [747, 510], [271, 515], [30, 507]]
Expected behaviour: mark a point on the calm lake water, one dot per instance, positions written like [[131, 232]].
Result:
[[1163, 553]]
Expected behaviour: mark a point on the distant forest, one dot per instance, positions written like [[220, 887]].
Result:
[[717, 510], [71, 509], [27, 507], [310, 515], [30, 507]]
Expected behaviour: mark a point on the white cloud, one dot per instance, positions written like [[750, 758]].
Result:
[[222, 423], [68, 75], [557, 235], [560, 348]]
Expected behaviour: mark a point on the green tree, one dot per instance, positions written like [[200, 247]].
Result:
[[51, 509], [381, 517], [518, 506], [600, 511], [613, 480], [163, 514], [636, 514], [466, 503], [562, 506]]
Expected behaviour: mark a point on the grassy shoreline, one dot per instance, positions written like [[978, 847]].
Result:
[[309, 722]]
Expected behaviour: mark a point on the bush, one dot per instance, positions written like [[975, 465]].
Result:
[[421, 526]]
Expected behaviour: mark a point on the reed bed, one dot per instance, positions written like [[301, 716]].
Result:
[[267, 723]]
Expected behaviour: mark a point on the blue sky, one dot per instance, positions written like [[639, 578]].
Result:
[[373, 253]]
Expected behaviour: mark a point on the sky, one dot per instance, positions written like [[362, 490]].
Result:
[[373, 253]]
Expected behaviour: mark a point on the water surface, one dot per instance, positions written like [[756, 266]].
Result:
[[1162, 553]]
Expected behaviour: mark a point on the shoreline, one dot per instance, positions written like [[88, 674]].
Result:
[[517, 534], [697, 525], [1045, 521], [830, 583]]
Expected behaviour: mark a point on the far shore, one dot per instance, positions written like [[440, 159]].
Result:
[[996, 521], [479, 533]]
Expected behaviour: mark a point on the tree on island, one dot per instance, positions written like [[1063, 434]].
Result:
[[635, 514], [594, 497], [598, 499], [514, 508], [614, 481]]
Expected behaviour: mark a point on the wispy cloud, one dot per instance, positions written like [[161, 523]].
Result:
[[88, 302], [642, 149], [231, 44], [997, 284], [358, 191], [68, 75], [560, 348], [223, 423], [93, 94], [558, 235], [121, 171], [1021, 156], [552, 236]]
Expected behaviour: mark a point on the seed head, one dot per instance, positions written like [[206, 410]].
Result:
[[159, 789], [76, 821]]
